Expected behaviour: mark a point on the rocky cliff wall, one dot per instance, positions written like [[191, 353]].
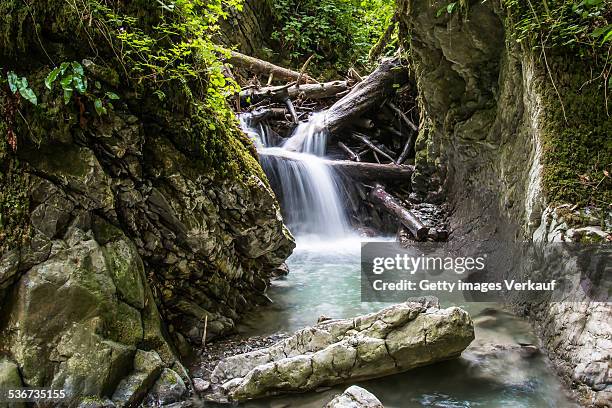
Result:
[[490, 118], [128, 236]]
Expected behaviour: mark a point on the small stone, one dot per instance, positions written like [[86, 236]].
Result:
[[355, 397], [200, 384]]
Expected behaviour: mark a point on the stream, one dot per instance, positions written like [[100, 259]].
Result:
[[324, 280]]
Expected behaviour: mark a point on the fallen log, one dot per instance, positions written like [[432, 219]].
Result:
[[306, 91], [356, 170], [403, 116], [366, 95], [351, 154], [407, 148], [292, 111], [262, 67], [372, 146], [405, 216]]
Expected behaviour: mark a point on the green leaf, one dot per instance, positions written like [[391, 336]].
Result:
[[63, 67], [100, 109], [77, 68], [67, 95], [29, 94], [112, 95], [66, 82], [451, 7], [12, 81], [601, 31], [79, 84], [51, 77]]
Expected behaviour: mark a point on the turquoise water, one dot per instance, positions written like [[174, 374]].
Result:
[[324, 279]]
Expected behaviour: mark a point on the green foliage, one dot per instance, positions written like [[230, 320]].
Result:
[[71, 78], [176, 51], [583, 27], [448, 9], [572, 40], [20, 85], [14, 200], [577, 153], [339, 33]]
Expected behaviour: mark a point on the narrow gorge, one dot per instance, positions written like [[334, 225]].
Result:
[[192, 192]]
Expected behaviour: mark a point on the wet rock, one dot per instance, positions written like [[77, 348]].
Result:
[[132, 389], [355, 397], [169, 388], [393, 340]]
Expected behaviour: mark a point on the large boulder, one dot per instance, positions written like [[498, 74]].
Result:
[[395, 339]]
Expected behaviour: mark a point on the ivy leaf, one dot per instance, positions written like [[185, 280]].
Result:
[[63, 67], [12, 81], [67, 95], [100, 109], [66, 82], [79, 84], [112, 96], [77, 68], [29, 94], [52, 77]]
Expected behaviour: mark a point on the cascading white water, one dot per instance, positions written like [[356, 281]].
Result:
[[307, 188], [309, 137]]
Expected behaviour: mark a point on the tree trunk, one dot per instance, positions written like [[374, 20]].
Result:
[[266, 68], [405, 216], [307, 91], [360, 170], [369, 93]]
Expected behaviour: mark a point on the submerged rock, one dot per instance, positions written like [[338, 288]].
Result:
[[355, 397], [395, 339]]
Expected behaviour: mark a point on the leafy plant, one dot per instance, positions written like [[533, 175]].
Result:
[[449, 8], [20, 85], [177, 50], [338, 33], [70, 76]]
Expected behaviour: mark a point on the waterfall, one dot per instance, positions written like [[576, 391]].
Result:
[[307, 188], [309, 137]]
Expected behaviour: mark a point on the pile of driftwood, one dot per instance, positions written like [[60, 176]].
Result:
[[372, 120]]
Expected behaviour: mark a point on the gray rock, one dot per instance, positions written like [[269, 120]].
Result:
[[133, 388], [9, 378], [96, 402], [395, 339], [200, 384], [355, 397], [169, 388]]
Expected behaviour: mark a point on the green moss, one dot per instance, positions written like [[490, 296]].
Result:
[[576, 124], [576, 129], [14, 198]]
